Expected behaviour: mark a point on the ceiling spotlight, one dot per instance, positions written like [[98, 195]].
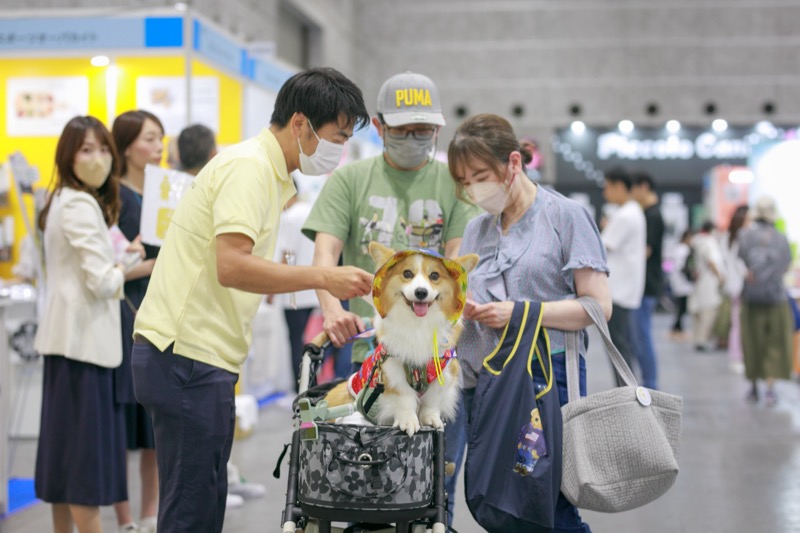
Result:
[[625, 126], [766, 129], [711, 108], [518, 110], [575, 110], [741, 176], [673, 126], [577, 127], [652, 109], [180, 6], [100, 61], [461, 111], [720, 125], [768, 108]]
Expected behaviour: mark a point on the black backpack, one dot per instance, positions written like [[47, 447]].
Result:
[[689, 269]]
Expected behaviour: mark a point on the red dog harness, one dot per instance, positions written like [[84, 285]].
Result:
[[413, 374]]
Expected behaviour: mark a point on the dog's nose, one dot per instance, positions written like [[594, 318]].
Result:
[[421, 293]]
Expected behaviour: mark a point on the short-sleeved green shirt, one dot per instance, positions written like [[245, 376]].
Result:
[[370, 201]]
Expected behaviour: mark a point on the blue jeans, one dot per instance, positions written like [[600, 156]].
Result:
[[455, 447], [567, 519], [642, 342]]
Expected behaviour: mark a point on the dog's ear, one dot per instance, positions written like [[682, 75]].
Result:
[[380, 253], [468, 261]]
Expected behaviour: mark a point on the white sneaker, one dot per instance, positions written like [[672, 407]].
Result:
[[239, 486], [246, 490], [148, 525], [233, 501], [128, 528]]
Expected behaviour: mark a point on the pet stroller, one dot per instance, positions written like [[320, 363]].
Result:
[[356, 473]]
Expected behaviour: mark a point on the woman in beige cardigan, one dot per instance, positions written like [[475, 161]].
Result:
[[80, 463]]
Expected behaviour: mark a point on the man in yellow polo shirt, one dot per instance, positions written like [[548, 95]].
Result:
[[194, 327]]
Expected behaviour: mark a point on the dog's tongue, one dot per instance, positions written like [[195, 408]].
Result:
[[421, 308]]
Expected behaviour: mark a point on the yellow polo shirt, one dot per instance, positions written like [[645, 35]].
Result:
[[242, 190]]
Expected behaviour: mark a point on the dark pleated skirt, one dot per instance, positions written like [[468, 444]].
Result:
[[81, 455]]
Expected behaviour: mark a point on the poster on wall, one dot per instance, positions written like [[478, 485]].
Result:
[[163, 190], [165, 97], [40, 107]]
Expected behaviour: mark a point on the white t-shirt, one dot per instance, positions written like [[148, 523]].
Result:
[[625, 237], [291, 238], [677, 280]]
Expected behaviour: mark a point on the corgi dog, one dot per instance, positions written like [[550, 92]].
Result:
[[419, 297]]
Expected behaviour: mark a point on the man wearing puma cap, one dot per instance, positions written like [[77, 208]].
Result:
[[402, 199]]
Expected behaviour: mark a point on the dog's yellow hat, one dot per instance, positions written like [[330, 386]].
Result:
[[455, 271]]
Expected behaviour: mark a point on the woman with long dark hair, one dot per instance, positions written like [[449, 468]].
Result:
[[138, 138], [735, 272], [80, 463]]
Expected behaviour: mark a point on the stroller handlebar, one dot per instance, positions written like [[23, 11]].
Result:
[[320, 340]]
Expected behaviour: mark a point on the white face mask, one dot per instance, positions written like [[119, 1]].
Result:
[[325, 158], [491, 196], [93, 172]]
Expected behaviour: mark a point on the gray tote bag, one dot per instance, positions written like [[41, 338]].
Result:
[[621, 445]]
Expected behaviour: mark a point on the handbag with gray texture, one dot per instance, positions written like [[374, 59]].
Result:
[[620, 448]]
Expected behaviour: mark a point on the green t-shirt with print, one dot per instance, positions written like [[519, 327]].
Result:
[[370, 201]]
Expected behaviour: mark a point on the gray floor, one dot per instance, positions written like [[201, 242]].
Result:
[[740, 463]]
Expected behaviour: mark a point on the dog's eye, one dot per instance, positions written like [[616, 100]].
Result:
[[434, 276], [408, 274]]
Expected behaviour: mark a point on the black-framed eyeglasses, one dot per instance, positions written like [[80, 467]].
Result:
[[420, 134]]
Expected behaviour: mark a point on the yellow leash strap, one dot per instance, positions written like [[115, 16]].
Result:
[[437, 362]]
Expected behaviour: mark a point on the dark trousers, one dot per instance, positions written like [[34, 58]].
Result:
[[193, 411], [296, 320], [620, 328], [642, 341], [680, 311]]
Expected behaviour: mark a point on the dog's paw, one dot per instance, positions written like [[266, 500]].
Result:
[[431, 418], [407, 422]]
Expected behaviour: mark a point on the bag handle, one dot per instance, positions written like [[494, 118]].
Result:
[[595, 312]]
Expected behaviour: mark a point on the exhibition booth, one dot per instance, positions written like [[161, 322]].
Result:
[[173, 63]]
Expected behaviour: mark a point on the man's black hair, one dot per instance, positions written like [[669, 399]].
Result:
[[322, 95], [619, 175], [195, 145], [644, 178]]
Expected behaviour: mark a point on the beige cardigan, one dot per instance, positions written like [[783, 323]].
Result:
[[81, 316]]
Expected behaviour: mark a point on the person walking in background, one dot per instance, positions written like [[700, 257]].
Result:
[[625, 239], [735, 272], [138, 138], [643, 192], [80, 461], [705, 299], [294, 248], [767, 319], [680, 284]]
